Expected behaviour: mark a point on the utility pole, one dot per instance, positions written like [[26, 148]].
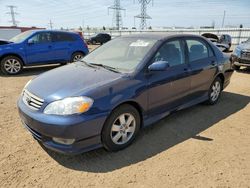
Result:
[[12, 13], [144, 16], [50, 24], [223, 20], [117, 17], [83, 23]]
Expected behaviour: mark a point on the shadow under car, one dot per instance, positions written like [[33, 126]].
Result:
[[170, 131]]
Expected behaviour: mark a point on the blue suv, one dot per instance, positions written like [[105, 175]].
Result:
[[36, 47]]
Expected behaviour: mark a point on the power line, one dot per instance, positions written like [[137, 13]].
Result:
[[144, 16], [12, 13], [117, 17]]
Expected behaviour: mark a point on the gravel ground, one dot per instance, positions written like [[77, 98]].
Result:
[[203, 146]]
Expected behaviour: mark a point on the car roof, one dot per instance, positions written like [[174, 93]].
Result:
[[159, 36], [46, 30]]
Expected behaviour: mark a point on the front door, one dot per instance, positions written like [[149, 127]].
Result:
[[39, 48], [169, 89]]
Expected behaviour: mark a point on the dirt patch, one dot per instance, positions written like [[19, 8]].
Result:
[[203, 146]]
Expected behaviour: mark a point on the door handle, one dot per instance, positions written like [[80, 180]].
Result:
[[186, 69]]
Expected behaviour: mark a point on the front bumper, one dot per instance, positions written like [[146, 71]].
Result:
[[86, 129], [240, 62]]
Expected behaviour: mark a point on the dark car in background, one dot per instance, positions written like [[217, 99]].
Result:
[[36, 47], [99, 38], [241, 55], [121, 87], [223, 41]]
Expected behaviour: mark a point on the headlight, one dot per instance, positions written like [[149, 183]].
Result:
[[68, 106]]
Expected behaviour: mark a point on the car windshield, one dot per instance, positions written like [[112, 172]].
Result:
[[122, 54], [21, 37]]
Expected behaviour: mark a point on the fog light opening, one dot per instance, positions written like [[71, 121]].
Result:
[[63, 141]]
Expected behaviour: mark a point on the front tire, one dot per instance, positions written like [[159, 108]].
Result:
[[215, 91], [121, 128], [11, 65]]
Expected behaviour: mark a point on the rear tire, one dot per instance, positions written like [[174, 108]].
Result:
[[11, 65], [215, 91], [77, 56], [121, 128]]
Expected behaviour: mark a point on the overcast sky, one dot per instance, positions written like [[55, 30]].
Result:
[[75, 13]]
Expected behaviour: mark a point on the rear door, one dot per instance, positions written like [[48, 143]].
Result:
[[40, 50], [62, 45], [203, 65], [169, 89]]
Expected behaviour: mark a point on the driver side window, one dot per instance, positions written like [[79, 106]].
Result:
[[172, 52], [41, 38]]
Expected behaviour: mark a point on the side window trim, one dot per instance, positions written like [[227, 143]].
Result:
[[210, 49], [182, 47], [42, 33]]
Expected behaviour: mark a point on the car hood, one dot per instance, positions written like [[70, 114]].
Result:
[[10, 46], [70, 80], [4, 42]]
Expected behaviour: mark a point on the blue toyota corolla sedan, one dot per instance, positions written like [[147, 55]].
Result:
[[126, 84]]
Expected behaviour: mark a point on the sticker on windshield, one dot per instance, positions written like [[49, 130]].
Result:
[[139, 43]]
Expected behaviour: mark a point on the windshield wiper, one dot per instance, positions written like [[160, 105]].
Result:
[[106, 67], [88, 64]]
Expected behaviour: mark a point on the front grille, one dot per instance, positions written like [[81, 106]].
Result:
[[245, 54], [31, 100]]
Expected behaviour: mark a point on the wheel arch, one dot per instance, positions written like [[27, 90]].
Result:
[[13, 54], [132, 103], [77, 51], [222, 77]]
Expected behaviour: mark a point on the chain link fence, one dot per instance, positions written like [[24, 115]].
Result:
[[238, 34]]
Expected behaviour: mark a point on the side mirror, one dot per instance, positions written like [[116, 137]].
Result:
[[31, 41], [159, 66]]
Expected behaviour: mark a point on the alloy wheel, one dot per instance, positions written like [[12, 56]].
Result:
[[77, 57], [12, 66], [123, 128], [216, 89]]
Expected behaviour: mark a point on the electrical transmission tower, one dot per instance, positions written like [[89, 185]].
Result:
[[117, 17], [144, 16], [12, 13], [50, 24]]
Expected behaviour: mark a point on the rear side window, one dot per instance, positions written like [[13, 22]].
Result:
[[197, 50], [62, 37]]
